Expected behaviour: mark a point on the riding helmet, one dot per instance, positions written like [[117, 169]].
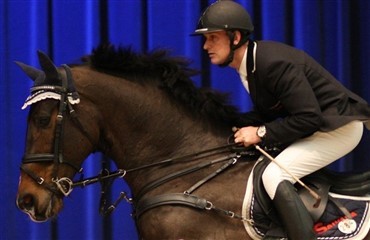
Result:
[[229, 16], [224, 15]]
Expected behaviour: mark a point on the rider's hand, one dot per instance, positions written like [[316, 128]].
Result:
[[247, 136]]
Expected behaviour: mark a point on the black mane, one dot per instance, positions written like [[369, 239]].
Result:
[[170, 73]]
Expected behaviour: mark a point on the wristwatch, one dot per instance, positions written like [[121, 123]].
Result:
[[261, 132]]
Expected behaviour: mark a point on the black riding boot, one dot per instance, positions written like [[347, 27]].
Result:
[[295, 218]]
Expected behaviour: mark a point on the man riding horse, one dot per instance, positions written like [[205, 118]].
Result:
[[296, 103]]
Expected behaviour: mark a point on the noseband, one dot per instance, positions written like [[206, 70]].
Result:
[[60, 186]]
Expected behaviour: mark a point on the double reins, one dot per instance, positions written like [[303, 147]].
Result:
[[106, 175], [120, 173]]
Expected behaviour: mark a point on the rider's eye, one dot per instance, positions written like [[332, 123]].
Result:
[[42, 121]]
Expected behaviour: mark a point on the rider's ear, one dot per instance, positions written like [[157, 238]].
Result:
[[237, 37]]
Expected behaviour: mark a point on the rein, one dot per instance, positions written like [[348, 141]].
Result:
[[106, 175], [120, 173]]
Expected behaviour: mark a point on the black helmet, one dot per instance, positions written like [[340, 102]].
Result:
[[229, 16], [224, 15]]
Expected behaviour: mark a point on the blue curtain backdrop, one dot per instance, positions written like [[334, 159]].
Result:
[[335, 32]]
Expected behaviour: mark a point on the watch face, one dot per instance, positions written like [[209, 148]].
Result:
[[261, 132]]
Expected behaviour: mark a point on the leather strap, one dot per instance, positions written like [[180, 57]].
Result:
[[179, 199]]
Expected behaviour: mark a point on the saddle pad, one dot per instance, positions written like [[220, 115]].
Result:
[[332, 224]]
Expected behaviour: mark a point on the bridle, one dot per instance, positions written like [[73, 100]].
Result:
[[64, 185]]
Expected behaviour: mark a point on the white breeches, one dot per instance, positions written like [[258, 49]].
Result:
[[309, 154]]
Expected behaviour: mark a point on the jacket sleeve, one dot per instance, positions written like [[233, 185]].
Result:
[[252, 118]]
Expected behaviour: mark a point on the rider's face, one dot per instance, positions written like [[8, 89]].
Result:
[[217, 44]]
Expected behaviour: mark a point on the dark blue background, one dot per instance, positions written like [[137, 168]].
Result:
[[334, 32]]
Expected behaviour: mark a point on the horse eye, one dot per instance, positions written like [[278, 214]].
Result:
[[42, 121]]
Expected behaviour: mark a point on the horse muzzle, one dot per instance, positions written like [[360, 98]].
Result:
[[39, 203]]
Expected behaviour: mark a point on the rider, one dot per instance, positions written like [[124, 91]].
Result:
[[296, 103]]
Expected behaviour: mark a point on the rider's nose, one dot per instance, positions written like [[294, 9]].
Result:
[[205, 45]]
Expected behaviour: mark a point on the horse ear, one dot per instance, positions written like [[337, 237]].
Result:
[[48, 66], [31, 72]]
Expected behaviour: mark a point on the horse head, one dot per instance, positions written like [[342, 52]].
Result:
[[50, 160]]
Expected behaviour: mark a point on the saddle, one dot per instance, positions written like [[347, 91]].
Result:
[[325, 183]]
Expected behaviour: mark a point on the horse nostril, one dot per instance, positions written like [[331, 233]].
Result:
[[26, 202]]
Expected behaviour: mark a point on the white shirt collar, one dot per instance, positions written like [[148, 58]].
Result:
[[243, 71]]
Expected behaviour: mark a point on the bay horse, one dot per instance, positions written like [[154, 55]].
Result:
[[167, 138]]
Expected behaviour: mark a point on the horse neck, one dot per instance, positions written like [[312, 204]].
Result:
[[140, 123]]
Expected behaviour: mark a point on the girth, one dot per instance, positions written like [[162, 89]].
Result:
[[186, 198]]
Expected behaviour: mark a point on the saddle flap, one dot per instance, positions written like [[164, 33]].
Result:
[[322, 189], [260, 193], [265, 203]]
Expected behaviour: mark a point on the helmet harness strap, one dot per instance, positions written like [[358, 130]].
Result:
[[233, 47]]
